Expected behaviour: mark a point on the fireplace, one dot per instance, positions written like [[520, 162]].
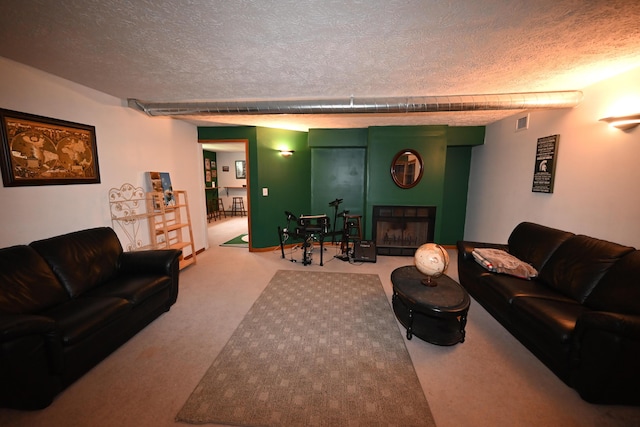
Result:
[[400, 230]]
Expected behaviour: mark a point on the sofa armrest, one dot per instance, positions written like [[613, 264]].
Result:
[[465, 248], [154, 262], [159, 261], [30, 360], [604, 357], [35, 329], [18, 325], [623, 325]]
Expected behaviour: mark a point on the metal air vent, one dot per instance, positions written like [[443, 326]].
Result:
[[522, 123]]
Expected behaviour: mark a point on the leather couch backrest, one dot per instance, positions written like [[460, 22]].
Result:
[[83, 259], [534, 243], [577, 266], [619, 289], [27, 284]]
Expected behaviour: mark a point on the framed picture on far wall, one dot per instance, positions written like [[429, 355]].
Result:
[[39, 150], [241, 172]]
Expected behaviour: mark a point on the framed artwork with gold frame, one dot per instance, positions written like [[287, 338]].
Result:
[[38, 150]]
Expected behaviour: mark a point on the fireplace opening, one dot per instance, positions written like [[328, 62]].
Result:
[[400, 230]]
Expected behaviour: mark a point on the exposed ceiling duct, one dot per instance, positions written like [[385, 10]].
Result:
[[411, 104]]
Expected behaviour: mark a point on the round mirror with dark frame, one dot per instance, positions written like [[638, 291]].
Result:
[[407, 168]]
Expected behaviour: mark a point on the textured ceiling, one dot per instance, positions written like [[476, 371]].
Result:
[[219, 50]]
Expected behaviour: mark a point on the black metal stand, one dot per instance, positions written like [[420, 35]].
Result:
[[335, 205], [347, 252]]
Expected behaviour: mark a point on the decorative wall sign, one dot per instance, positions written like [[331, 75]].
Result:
[[545, 167], [39, 150]]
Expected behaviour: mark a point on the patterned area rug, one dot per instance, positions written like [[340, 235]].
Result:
[[316, 349], [241, 241]]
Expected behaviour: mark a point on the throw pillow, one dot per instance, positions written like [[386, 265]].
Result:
[[499, 261]]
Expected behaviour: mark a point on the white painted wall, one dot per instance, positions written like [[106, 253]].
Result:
[[129, 144], [228, 179], [597, 174]]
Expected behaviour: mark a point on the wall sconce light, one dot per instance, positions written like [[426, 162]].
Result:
[[623, 122], [286, 153]]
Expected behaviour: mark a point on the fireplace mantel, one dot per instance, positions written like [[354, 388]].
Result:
[[400, 230]]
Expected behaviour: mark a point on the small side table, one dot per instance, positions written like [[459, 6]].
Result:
[[435, 314]]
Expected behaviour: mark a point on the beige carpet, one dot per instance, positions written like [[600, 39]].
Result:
[[316, 349], [490, 380]]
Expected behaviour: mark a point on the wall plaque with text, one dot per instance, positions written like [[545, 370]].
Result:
[[545, 168]]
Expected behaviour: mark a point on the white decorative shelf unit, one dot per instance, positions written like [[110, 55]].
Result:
[[167, 226]]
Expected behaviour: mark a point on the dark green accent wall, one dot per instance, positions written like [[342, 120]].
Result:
[[465, 136], [384, 144], [454, 203], [460, 141], [287, 178], [354, 165], [231, 133], [338, 138], [211, 156], [212, 193], [337, 173]]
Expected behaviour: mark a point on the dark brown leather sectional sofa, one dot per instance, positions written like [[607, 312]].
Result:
[[580, 315], [69, 301]]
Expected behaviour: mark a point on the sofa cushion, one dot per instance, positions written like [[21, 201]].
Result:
[[81, 317], [547, 327], [27, 284], [136, 289], [550, 319], [579, 263], [507, 288], [83, 259], [534, 243], [619, 289]]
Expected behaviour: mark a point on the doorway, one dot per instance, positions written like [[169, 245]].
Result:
[[226, 187]]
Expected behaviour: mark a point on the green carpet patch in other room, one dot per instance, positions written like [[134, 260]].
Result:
[[241, 241]]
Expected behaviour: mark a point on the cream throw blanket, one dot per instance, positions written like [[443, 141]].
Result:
[[499, 261]]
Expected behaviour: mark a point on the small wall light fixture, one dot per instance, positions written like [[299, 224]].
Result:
[[286, 153], [623, 122]]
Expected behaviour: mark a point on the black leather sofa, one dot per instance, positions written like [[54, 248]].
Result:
[[580, 315], [69, 301]]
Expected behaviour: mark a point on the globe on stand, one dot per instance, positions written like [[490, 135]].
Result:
[[431, 260]]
